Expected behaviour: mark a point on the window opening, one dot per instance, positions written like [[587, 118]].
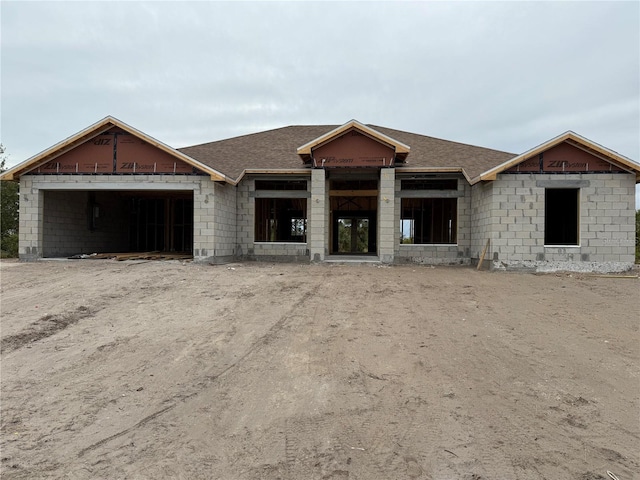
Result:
[[561, 216], [281, 220], [428, 220]]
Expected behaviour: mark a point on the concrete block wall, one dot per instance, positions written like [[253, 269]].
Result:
[[245, 211], [606, 223], [387, 225], [508, 211], [280, 251], [225, 222], [30, 226], [211, 218], [464, 219], [204, 218], [481, 219], [443, 254], [318, 219], [607, 219], [518, 218], [66, 229], [431, 255]]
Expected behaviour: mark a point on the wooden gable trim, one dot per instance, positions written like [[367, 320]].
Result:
[[574, 140], [94, 130], [400, 148]]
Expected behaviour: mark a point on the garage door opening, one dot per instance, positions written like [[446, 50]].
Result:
[[87, 222]]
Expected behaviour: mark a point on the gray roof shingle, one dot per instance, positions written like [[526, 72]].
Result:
[[276, 149]]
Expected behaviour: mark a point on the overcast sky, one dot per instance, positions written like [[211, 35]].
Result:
[[504, 75]]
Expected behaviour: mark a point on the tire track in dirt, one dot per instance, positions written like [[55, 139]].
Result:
[[208, 380], [389, 447], [527, 455], [457, 447], [298, 449], [329, 444], [494, 420], [566, 416], [400, 456], [381, 450], [44, 327], [141, 423]]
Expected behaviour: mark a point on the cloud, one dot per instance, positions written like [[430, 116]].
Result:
[[498, 74]]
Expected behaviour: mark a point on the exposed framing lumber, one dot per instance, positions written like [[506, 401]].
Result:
[[353, 193], [484, 252], [136, 256]]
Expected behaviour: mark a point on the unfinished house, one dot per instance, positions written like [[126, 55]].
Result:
[[327, 193]]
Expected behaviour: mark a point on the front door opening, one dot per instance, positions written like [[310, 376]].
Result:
[[355, 233], [354, 211]]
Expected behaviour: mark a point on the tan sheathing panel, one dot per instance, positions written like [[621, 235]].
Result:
[[353, 149], [571, 138], [400, 148], [134, 155], [111, 125], [92, 156], [565, 157], [276, 150]]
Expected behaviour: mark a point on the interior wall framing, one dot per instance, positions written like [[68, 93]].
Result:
[[436, 254]]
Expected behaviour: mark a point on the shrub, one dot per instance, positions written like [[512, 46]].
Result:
[[9, 246]]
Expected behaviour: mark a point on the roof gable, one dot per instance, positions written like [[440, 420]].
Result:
[[353, 149], [91, 151], [306, 150], [565, 153]]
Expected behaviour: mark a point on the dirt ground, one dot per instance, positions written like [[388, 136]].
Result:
[[158, 370]]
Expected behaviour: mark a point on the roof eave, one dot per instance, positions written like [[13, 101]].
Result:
[[434, 170], [272, 171]]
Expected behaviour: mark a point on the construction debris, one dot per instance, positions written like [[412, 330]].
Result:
[[135, 256]]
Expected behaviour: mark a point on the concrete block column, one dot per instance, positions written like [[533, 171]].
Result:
[[316, 222], [386, 218], [30, 239], [204, 220]]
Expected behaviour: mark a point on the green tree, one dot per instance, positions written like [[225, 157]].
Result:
[[353, 235], [9, 205]]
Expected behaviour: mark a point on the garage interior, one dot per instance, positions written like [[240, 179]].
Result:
[[101, 222]]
